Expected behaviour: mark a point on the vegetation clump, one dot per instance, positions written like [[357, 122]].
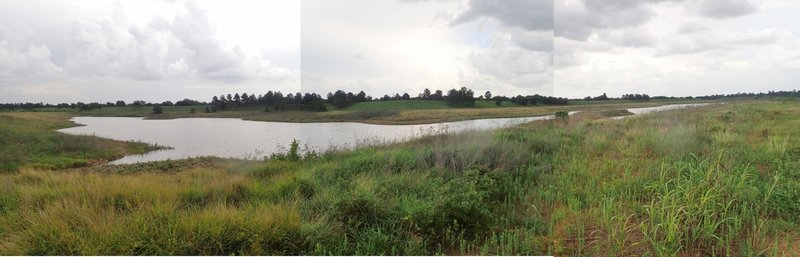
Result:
[[157, 109]]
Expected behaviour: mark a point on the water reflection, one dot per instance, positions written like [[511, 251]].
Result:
[[235, 138]]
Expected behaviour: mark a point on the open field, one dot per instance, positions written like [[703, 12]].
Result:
[[399, 112], [28, 140], [720, 181]]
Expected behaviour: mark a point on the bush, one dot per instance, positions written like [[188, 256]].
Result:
[[292, 155], [562, 115], [157, 109]]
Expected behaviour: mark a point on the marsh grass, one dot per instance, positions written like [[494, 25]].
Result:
[[721, 181], [28, 140]]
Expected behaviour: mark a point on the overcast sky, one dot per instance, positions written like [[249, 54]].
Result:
[[156, 50]]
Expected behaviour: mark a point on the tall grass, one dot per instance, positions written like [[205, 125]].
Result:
[[723, 181], [28, 140]]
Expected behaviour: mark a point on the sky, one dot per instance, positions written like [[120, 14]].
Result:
[[157, 50]]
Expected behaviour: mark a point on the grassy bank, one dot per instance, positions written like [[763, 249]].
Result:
[[721, 181], [28, 140], [399, 112]]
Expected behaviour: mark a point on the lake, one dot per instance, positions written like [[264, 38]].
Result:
[[236, 138]]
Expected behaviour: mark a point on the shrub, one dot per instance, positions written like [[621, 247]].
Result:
[[562, 115]]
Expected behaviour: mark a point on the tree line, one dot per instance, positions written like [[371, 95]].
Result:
[[277, 101], [274, 101]]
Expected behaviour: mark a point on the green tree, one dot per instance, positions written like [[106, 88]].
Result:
[[463, 97], [157, 109]]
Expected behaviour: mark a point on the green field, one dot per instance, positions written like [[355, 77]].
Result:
[[399, 112], [399, 105], [29, 140], [723, 180], [419, 105]]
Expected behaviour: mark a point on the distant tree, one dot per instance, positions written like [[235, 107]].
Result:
[[426, 94], [438, 95], [602, 97], [386, 98], [360, 97], [167, 103], [157, 109], [139, 103], [463, 97], [190, 102], [289, 99], [487, 95], [341, 99], [636, 97], [406, 96], [269, 98]]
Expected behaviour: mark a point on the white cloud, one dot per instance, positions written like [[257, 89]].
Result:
[[96, 50], [125, 42]]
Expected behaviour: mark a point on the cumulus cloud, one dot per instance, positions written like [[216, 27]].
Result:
[[726, 8], [579, 19], [184, 46], [30, 62], [519, 57], [528, 71], [525, 14]]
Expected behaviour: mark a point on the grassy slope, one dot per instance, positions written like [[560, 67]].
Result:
[[29, 140], [722, 181], [390, 112]]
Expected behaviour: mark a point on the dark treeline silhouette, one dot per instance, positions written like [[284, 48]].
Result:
[[81, 106], [539, 100], [340, 99], [636, 97], [463, 97], [427, 95], [601, 97], [274, 101], [793, 93]]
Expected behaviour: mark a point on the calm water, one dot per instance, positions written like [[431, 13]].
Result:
[[235, 138]]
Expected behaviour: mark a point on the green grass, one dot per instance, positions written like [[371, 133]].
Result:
[[399, 105], [721, 181], [400, 112], [29, 140]]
